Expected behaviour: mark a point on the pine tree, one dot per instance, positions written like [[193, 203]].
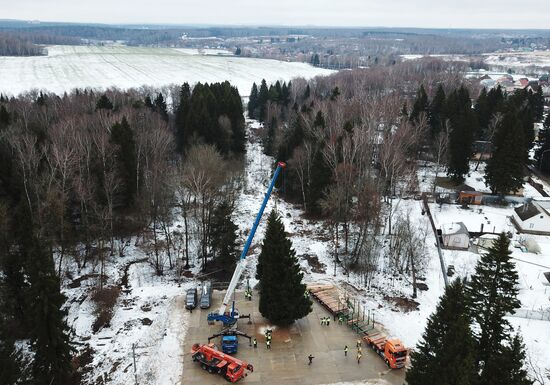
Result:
[[282, 293], [123, 137], [504, 172], [445, 355], [253, 101], [492, 295], [315, 60], [507, 366], [307, 92], [223, 238], [420, 104], [104, 103], [536, 100], [542, 154]]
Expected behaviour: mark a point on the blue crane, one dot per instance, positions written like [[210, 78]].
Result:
[[230, 318]]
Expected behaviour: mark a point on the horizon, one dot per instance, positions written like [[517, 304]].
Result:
[[422, 14]]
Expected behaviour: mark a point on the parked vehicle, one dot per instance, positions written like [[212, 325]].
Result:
[[391, 350], [206, 295], [191, 299], [214, 361]]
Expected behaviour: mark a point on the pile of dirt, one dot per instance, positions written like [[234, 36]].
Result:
[[316, 266], [403, 303]]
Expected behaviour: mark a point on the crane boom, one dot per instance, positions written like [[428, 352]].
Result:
[[241, 263]]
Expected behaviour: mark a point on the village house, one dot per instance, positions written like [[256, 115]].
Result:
[[533, 217], [455, 236]]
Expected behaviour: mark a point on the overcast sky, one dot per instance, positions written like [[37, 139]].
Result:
[[390, 13]]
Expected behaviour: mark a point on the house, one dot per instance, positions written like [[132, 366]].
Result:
[[533, 217], [455, 236], [470, 197], [522, 83], [486, 241]]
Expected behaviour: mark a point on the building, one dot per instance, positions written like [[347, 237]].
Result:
[[455, 236], [486, 241], [470, 197], [533, 217]]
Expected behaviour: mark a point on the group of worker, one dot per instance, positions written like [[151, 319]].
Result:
[[325, 321], [268, 336]]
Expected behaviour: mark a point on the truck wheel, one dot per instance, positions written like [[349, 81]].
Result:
[[387, 363], [211, 370], [204, 367]]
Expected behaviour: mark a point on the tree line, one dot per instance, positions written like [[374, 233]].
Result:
[[83, 173]]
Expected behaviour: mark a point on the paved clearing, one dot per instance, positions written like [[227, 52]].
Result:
[[286, 362]]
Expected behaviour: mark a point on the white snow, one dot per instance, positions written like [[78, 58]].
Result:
[[69, 67]]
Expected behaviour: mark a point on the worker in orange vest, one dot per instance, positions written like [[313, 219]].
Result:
[[359, 355]]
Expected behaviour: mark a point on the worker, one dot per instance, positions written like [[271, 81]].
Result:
[[340, 319], [328, 321], [358, 343], [359, 355], [346, 350], [306, 294], [255, 342], [310, 358], [268, 344]]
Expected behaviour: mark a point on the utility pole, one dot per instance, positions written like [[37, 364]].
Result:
[[135, 368]]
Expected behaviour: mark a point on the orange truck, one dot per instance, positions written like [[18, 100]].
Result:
[[391, 350], [214, 361]]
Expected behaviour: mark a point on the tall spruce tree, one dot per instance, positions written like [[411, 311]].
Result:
[[182, 133], [504, 172], [542, 154], [445, 355], [253, 101], [436, 114], [103, 103], [458, 109], [5, 118], [160, 106], [492, 295], [282, 293], [123, 137], [318, 181], [420, 104], [223, 238], [483, 114], [263, 97]]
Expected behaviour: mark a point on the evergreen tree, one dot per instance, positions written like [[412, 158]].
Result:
[[495, 100], [458, 110], [445, 355], [436, 116], [10, 358], [420, 104], [483, 114], [282, 293], [123, 137], [104, 103], [270, 137], [492, 295], [253, 101], [536, 100], [504, 172], [182, 133], [319, 120], [5, 118], [160, 106], [307, 92], [542, 155], [223, 239], [315, 60], [263, 97], [318, 182]]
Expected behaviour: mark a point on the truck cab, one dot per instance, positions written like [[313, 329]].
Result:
[[395, 353], [230, 344]]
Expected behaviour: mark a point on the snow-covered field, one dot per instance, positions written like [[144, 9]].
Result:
[[68, 67], [519, 59]]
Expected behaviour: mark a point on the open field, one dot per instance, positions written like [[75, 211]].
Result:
[[69, 67], [286, 362]]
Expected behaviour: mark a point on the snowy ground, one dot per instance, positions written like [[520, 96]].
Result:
[[68, 67]]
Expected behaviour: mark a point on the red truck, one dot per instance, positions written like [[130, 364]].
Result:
[[214, 361], [391, 350]]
